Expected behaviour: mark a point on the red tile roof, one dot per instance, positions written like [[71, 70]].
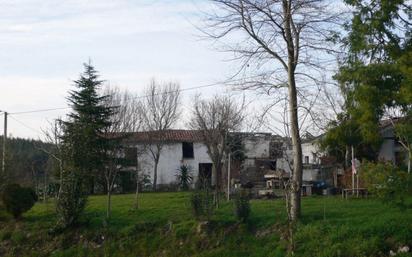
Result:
[[174, 135]]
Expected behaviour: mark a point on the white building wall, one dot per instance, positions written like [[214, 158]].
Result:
[[310, 174], [171, 158], [257, 147], [311, 150], [284, 163]]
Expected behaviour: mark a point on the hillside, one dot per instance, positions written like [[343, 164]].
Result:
[[26, 163]]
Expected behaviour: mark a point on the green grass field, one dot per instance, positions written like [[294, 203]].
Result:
[[164, 226]]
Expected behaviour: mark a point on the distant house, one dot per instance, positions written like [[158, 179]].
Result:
[[318, 171], [390, 150], [179, 147], [186, 147], [264, 156]]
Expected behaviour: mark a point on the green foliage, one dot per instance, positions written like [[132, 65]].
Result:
[[344, 133], [341, 134], [242, 205], [202, 203], [389, 183], [376, 76], [372, 88], [184, 177], [84, 146], [83, 139], [71, 201], [18, 200]]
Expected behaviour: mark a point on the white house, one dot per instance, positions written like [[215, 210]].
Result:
[[390, 150], [187, 147], [311, 154]]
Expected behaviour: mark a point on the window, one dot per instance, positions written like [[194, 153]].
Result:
[[130, 155], [315, 160], [306, 159], [187, 149]]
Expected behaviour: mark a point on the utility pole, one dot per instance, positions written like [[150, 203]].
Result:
[[3, 164]]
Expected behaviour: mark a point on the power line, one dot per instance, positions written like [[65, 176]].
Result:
[[136, 97], [25, 125], [40, 110]]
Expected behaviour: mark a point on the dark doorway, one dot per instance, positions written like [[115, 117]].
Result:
[[205, 175]]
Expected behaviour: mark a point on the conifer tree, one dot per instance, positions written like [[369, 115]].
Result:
[[87, 123], [84, 143]]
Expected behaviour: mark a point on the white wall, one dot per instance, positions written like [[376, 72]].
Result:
[[284, 163], [311, 150], [171, 158], [257, 147], [308, 149], [310, 174]]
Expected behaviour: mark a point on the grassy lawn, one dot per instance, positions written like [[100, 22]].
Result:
[[164, 226]]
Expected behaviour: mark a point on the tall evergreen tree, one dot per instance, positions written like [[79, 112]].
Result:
[[87, 124], [84, 144]]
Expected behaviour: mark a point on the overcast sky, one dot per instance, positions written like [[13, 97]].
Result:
[[43, 44]]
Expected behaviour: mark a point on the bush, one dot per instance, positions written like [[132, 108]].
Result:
[[202, 204], [184, 177], [242, 205], [18, 200], [387, 182]]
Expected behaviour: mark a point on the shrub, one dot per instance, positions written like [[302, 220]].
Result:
[[18, 200], [242, 205], [387, 182], [202, 204], [71, 201], [184, 177]]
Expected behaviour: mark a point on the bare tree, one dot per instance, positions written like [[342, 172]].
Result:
[[403, 131], [53, 136], [215, 118], [160, 111], [284, 43], [125, 119]]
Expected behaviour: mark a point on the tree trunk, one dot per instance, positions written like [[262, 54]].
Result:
[[296, 182], [136, 197], [90, 183], [155, 174], [109, 202], [60, 180], [347, 157], [409, 162], [218, 183], [214, 174], [45, 188], [297, 151]]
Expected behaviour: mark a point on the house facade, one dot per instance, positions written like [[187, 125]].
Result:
[[311, 159], [178, 147], [391, 150], [264, 156], [186, 147]]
